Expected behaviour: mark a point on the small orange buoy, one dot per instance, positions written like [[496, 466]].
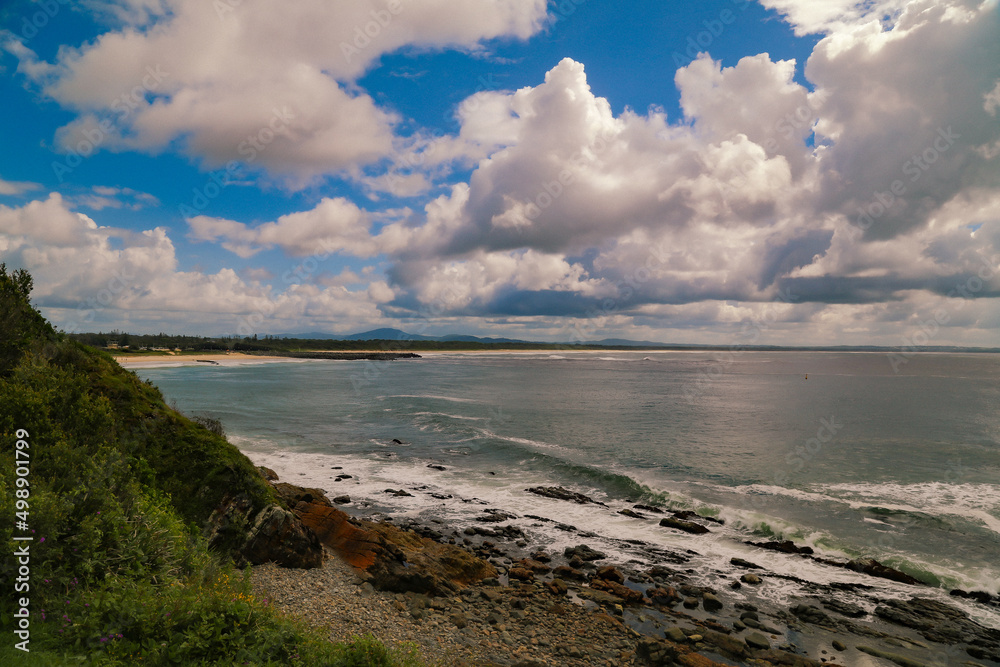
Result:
[[807, 376]]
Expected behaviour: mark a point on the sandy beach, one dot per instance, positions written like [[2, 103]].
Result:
[[231, 359]]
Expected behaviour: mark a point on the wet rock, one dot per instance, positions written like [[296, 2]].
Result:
[[559, 493], [666, 597], [534, 565], [567, 572], [656, 653], [627, 595], [739, 562], [400, 493], [632, 514], [660, 571], [603, 598], [844, 608], [787, 547], [675, 635], [939, 622], [397, 441], [541, 557], [757, 641], [521, 574], [610, 573], [342, 500], [979, 596], [583, 552], [648, 508], [751, 579], [267, 474], [688, 515], [839, 645], [435, 466], [813, 615], [727, 646], [711, 603], [557, 586], [901, 660], [877, 569], [495, 516], [691, 603], [686, 526]]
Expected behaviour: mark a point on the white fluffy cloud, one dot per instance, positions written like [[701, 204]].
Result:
[[262, 82], [88, 276], [335, 225]]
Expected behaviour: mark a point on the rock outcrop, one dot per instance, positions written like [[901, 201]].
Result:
[[272, 534], [390, 558]]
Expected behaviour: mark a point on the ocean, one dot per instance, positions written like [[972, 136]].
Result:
[[838, 451]]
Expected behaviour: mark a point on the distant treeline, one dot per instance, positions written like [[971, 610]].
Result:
[[136, 342]]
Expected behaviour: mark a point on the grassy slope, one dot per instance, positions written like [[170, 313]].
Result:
[[120, 488]]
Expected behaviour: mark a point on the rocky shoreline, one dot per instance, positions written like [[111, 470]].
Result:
[[484, 595]]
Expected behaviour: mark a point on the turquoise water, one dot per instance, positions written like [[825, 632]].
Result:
[[854, 459]]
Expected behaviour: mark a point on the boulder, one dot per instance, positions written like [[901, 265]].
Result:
[[559, 493], [610, 573], [583, 552], [786, 547], [267, 473], [271, 534], [567, 572], [655, 652], [278, 536], [686, 526], [688, 515], [410, 562], [877, 569], [356, 546], [711, 603], [666, 597], [533, 565]]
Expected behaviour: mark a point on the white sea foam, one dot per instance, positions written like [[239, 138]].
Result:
[[453, 399]]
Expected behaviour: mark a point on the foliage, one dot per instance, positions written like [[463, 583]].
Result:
[[120, 489]]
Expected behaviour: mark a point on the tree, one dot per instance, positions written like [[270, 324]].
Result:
[[20, 324]]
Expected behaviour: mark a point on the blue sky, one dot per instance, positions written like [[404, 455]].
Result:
[[779, 171]]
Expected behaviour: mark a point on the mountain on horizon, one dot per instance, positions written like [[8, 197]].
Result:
[[397, 334]]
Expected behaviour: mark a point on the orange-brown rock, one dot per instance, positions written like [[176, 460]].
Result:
[[409, 562], [356, 546], [394, 559]]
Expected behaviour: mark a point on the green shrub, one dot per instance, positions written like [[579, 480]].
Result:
[[120, 490]]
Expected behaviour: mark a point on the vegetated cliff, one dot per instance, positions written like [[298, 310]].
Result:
[[127, 501], [75, 398]]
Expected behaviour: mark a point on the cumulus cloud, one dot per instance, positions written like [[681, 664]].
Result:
[[269, 84], [335, 225], [88, 276]]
